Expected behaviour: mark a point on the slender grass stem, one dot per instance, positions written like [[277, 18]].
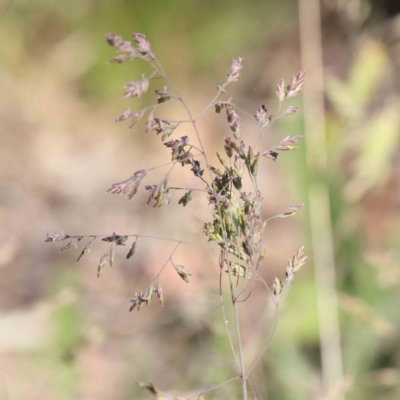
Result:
[[166, 262], [188, 189], [169, 163], [148, 237], [212, 388], [240, 350]]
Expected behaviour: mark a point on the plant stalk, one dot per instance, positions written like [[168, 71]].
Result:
[[318, 191], [240, 349]]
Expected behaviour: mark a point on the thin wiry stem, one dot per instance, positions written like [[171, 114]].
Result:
[[268, 289], [155, 106], [262, 130], [253, 389], [194, 147], [188, 189], [182, 121], [237, 298], [243, 374], [148, 237], [261, 355], [272, 335], [212, 102], [166, 262], [221, 265], [172, 162], [244, 112], [212, 388], [171, 169], [242, 367], [151, 76]]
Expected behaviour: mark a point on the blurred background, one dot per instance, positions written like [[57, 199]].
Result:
[[64, 334]]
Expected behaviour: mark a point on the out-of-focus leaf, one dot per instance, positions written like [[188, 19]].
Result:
[[372, 166], [368, 71]]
